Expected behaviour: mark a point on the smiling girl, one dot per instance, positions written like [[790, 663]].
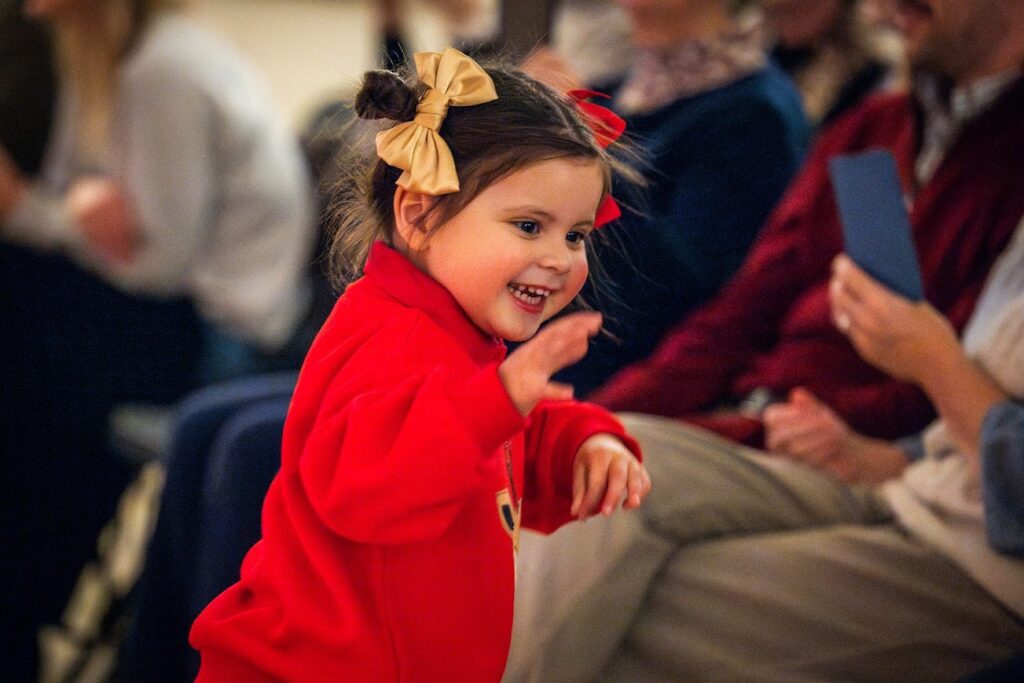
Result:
[[414, 447]]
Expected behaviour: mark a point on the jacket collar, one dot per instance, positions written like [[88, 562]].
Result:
[[399, 278]]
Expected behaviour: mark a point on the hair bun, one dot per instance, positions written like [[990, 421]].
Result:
[[385, 95]]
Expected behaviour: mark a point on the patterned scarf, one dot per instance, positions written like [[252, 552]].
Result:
[[659, 77]]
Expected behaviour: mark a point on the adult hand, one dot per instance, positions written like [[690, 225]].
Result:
[[901, 337], [604, 473], [526, 373], [808, 431], [12, 184], [101, 211]]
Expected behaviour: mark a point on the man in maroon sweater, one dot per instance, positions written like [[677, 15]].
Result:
[[958, 141], [746, 567]]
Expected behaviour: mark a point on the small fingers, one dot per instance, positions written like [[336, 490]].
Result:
[[639, 485], [615, 487], [595, 483], [579, 486]]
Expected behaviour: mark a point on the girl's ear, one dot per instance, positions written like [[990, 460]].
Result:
[[411, 209]]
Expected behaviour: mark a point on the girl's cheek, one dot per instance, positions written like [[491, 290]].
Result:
[[579, 277]]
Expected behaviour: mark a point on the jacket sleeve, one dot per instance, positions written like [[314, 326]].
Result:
[[396, 464], [555, 431], [1002, 476]]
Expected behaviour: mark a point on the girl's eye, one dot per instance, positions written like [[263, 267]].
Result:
[[529, 227], [575, 237]]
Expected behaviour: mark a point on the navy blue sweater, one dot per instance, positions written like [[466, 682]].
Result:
[[716, 164]]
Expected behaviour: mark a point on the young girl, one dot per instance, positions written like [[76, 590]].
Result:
[[413, 443]]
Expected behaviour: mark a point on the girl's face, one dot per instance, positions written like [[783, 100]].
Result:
[[516, 254]]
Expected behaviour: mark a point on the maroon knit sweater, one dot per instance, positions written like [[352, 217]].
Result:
[[771, 327]]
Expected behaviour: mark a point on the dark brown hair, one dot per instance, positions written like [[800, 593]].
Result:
[[527, 124]]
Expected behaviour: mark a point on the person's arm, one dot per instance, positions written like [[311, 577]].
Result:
[[572, 451], [910, 341], [913, 342]]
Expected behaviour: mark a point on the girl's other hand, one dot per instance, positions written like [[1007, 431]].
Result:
[[101, 211], [526, 373], [604, 473]]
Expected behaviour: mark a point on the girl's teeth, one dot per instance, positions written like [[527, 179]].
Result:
[[530, 295]]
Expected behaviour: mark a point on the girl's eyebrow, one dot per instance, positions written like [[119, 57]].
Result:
[[542, 213], [529, 208]]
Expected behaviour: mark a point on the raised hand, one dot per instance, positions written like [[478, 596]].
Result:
[[527, 372]]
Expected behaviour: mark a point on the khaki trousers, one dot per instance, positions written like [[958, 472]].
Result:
[[745, 567]]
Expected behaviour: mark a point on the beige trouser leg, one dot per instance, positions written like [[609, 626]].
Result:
[[842, 603], [580, 589]]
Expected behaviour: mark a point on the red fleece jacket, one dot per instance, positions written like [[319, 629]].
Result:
[[770, 327], [383, 556]]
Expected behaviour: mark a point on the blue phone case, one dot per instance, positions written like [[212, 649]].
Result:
[[876, 228]]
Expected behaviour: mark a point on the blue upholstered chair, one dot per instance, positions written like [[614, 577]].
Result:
[[156, 647], [244, 459]]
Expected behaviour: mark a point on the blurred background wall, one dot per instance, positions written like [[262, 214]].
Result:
[[310, 50]]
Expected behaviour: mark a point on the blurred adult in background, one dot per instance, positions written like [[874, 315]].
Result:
[[841, 592], [168, 172], [833, 52], [165, 243], [954, 139], [844, 558], [720, 132]]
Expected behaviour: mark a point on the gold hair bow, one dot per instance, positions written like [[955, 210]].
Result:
[[416, 147]]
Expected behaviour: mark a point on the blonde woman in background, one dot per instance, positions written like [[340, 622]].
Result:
[[168, 172], [171, 223]]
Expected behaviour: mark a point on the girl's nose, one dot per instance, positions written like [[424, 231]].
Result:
[[557, 257]]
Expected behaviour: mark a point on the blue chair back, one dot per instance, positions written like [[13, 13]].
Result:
[[244, 460], [156, 646]]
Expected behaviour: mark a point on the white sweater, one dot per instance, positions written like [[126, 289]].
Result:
[[939, 497], [215, 180]]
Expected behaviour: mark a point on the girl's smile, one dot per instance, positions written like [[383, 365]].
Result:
[[529, 298], [516, 254]]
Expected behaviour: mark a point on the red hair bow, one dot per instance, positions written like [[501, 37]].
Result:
[[608, 127]]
